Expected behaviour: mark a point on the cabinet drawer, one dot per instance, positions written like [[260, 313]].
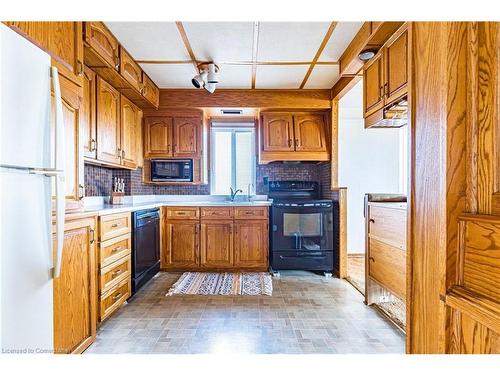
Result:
[[214, 213], [388, 225], [183, 213], [251, 212], [387, 265], [114, 298], [114, 274], [114, 249], [114, 225]]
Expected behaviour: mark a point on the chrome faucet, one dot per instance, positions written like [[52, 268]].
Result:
[[249, 194], [233, 193]]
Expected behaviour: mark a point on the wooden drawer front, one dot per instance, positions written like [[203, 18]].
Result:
[[388, 267], [115, 273], [214, 213], [183, 213], [388, 225], [112, 250], [251, 212], [114, 225], [114, 298]]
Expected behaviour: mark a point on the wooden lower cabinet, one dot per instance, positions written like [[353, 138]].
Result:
[[219, 240], [216, 248], [75, 290], [251, 243], [182, 238]]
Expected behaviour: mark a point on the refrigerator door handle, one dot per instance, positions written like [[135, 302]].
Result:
[[59, 166]]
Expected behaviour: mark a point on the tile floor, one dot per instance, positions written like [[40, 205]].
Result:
[[307, 314]]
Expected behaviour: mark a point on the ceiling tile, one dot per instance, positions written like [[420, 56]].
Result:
[[323, 77], [280, 76], [235, 77], [170, 75], [341, 37], [290, 41], [220, 41], [150, 40]]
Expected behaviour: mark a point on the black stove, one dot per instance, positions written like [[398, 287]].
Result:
[[302, 227]]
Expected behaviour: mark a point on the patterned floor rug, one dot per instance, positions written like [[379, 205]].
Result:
[[223, 283]]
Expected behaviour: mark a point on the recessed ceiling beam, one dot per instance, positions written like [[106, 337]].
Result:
[[189, 49], [172, 62], [318, 53], [255, 50]]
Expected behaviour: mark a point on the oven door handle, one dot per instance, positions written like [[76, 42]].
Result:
[[283, 257]]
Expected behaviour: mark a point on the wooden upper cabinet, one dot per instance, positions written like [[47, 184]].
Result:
[[75, 290], [88, 121], [130, 70], [66, 47], [373, 82], [251, 243], [158, 137], [108, 123], [216, 249], [62, 40], [396, 67], [309, 132], [72, 109], [182, 243], [277, 132], [129, 128], [150, 91], [187, 136], [103, 43]]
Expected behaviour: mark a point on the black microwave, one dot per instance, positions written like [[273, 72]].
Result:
[[172, 170]]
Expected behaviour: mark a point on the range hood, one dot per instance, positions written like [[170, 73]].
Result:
[[394, 115]]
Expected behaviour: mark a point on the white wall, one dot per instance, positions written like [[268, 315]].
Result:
[[370, 161]]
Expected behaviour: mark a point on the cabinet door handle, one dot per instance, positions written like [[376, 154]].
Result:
[[116, 296], [386, 89], [81, 191], [92, 236], [123, 154], [115, 225], [371, 259], [117, 62], [120, 153], [297, 143], [289, 143], [381, 92], [80, 68], [116, 273], [144, 90], [371, 220], [92, 145], [174, 147], [116, 249]]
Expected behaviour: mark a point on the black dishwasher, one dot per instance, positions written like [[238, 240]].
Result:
[[146, 246]]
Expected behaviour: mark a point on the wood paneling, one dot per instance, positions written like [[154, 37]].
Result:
[[286, 99], [108, 123], [216, 247], [75, 291]]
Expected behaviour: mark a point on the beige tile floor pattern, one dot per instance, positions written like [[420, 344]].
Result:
[[307, 314]]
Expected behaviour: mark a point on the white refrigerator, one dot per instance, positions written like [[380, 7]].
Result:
[[31, 174]]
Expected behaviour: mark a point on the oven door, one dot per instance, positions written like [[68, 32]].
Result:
[[303, 229]]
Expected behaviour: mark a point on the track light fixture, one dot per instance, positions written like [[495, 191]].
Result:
[[207, 78]]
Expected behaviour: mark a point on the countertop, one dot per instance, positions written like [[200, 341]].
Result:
[[101, 208]]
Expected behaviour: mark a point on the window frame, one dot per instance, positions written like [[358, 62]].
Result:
[[239, 128]]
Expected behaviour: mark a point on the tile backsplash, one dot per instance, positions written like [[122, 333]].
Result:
[[99, 179]]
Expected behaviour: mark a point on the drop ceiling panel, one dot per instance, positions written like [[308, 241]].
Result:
[[150, 40], [323, 77], [170, 75], [235, 77], [220, 41], [280, 77], [341, 37], [290, 41]]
